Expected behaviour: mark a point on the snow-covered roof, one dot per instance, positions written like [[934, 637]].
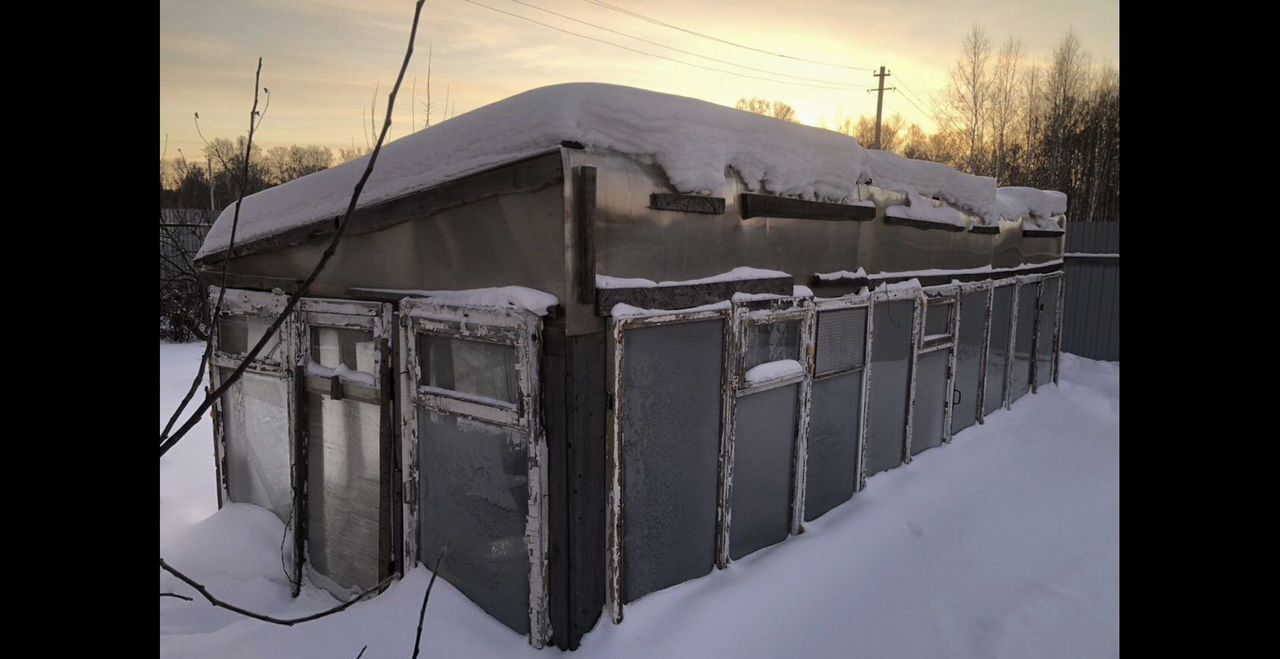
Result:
[[693, 141]]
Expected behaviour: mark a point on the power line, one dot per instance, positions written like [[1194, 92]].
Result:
[[686, 52], [655, 21], [641, 52]]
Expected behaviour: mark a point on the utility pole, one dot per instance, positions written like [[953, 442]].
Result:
[[880, 101]]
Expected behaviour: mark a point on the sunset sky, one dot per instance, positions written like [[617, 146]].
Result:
[[323, 58]]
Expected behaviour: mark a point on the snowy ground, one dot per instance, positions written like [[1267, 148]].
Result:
[[1003, 544]]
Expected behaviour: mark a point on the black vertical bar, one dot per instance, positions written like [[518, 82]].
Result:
[[585, 415], [552, 369], [586, 234]]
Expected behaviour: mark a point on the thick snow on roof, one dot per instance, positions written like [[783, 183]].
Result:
[[693, 141]]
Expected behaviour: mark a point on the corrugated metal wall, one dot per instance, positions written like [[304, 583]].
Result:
[[1091, 309]]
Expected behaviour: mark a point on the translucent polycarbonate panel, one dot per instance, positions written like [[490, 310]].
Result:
[[890, 361], [255, 423], [238, 334], [771, 342], [937, 319], [841, 340], [764, 435], [969, 342], [833, 443], [1022, 343], [1044, 338], [344, 490], [931, 400], [474, 495], [998, 348], [332, 347], [467, 366], [670, 407]]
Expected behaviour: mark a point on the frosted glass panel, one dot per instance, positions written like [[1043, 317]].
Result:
[[238, 334], [1021, 379], [973, 321], [763, 445], [890, 357], [474, 497], [773, 342], [998, 349], [1044, 339], [671, 400], [344, 509], [842, 339], [833, 443], [255, 422], [931, 400]]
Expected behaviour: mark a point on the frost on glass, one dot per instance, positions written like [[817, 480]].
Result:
[[772, 342], [473, 496], [1044, 339], [998, 350], [890, 357], [841, 341], [344, 503], [931, 400], [1021, 380], [255, 422], [973, 321], [238, 334], [332, 347], [670, 406], [833, 443], [763, 442], [478, 368]]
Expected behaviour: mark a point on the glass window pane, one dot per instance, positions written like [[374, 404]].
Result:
[[467, 366], [973, 327], [890, 356], [834, 417], [842, 339], [238, 334], [998, 349], [937, 320], [931, 400], [763, 444], [335, 346], [671, 399], [1044, 338], [255, 423], [344, 486], [1021, 380], [474, 496], [771, 342]]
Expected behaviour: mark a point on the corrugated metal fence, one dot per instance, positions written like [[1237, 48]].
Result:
[[182, 232], [1091, 309]]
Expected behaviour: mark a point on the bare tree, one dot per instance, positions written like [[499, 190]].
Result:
[[892, 131], [775, 109], [1004, 100], [968, 97]]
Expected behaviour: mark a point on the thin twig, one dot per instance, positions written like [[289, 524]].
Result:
[[320, 265], [287, 622], [222, 291], [362, 652], [423, 613], [181, 597]]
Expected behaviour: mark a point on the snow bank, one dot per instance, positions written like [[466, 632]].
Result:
[[921, 208], [737, 274], [502, 297], [695, 142], [770, 371], [1004, 543]]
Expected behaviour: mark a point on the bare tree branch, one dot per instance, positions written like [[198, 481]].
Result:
[[287, 622], [422, 614], [329, 251], [181, 597], [222, 291]]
